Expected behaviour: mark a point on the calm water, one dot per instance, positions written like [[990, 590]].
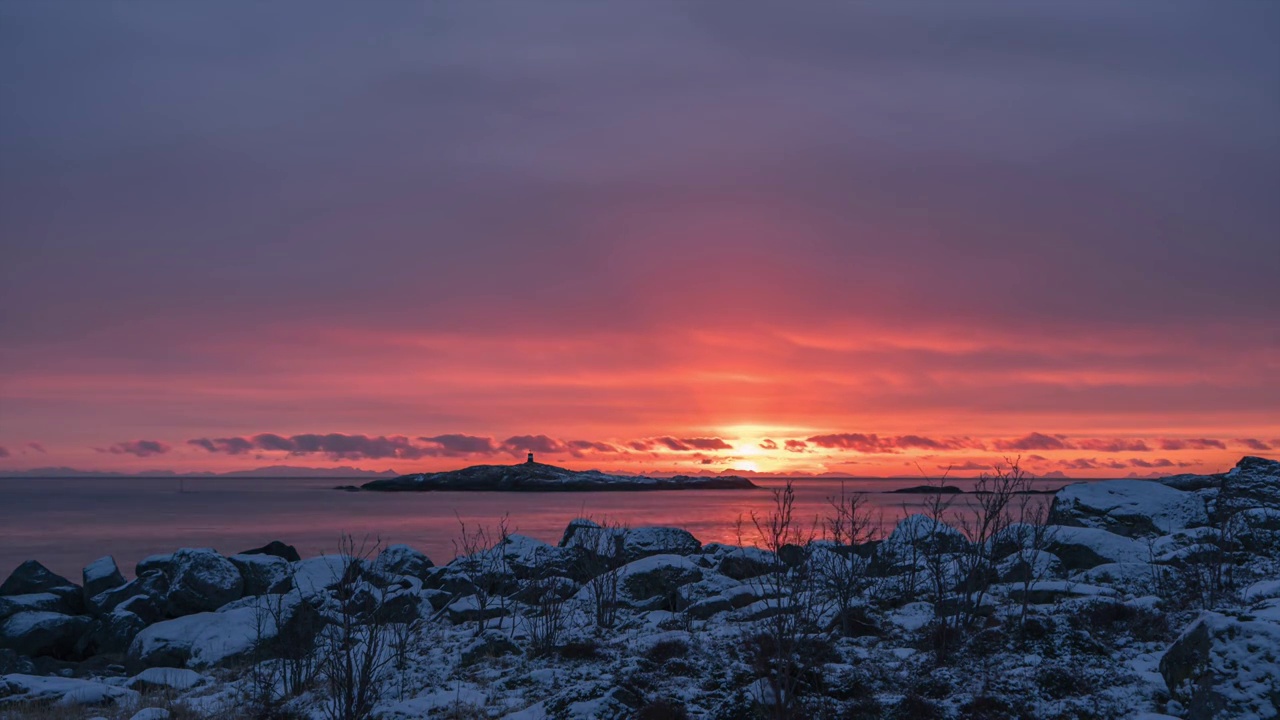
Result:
[[65, 523]]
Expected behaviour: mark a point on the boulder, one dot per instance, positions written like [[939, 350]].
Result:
[[162, 562], [1223, 666], [1081, 548], [315, 575], [921, 532], [101, 575], [1253, 482], [745, 563], [275, 548], [110, 634], [648, 541], [220, 638], [468, 609], [32, 578], [263, 574], [403, 560], [62, 692], [11, 663], [153, 584], [43, 633], [652, 582], [490, 644], [37, 602], [574, 526], [1258, 531], [1132, 508], [202, 580], [159, 678]]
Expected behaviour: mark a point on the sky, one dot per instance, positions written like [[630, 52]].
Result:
[[857, 238]]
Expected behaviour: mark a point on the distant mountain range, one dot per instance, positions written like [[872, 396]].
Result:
[[274, 471]]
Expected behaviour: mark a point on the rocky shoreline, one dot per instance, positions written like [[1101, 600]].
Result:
[[1129, 599]]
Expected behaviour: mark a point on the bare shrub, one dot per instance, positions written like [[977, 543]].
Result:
[[354, 647], [842, 571], [481, 556], [600, 559], [546, 622]]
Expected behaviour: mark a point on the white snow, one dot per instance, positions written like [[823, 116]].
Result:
[[1122, 501]]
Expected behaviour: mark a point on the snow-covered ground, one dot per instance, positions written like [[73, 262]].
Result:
[[1139, 600]]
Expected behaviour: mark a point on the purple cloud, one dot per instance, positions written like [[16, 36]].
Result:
[[139, 448]]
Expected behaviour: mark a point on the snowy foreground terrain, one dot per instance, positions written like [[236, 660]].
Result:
[[1128, 599]]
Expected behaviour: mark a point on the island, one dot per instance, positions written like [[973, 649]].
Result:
[[533, 476]]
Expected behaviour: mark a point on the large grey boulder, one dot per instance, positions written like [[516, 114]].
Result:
[[1223, 666], [1133, 508], [101, 575], [43, 633], [162, 563], [264, 574], [201, 580]]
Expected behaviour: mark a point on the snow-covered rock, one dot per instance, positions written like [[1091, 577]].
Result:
[[35, 602], [162, 562], [469, 609], [315, 575], [652, 582], [490, 644], [101, 575], [1133, 508], [646, 541], [111, 633], [201, 580], [214, 638], [1223, 666], [919, 531], [42, 633], [1262, 590], [740, 563], [62, 692], [33, 578], [263, 574], [1253, 482], [1081, 548], [153, 584], [166, 677], [152, 713], [403, 560]]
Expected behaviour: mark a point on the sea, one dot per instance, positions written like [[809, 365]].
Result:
[[65, 523]]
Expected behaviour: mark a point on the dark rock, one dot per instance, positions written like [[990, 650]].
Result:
[[468, 610], [43, 633], [277, 549], [99, 576], [13, 663], [202, 580], [929, 490], [31, 577], [161, 563], [153, 585], [744, 566], [575, 526], [110, 634], [37, 602], [490, 644]]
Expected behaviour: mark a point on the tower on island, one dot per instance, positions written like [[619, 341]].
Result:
[[530, 460]]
